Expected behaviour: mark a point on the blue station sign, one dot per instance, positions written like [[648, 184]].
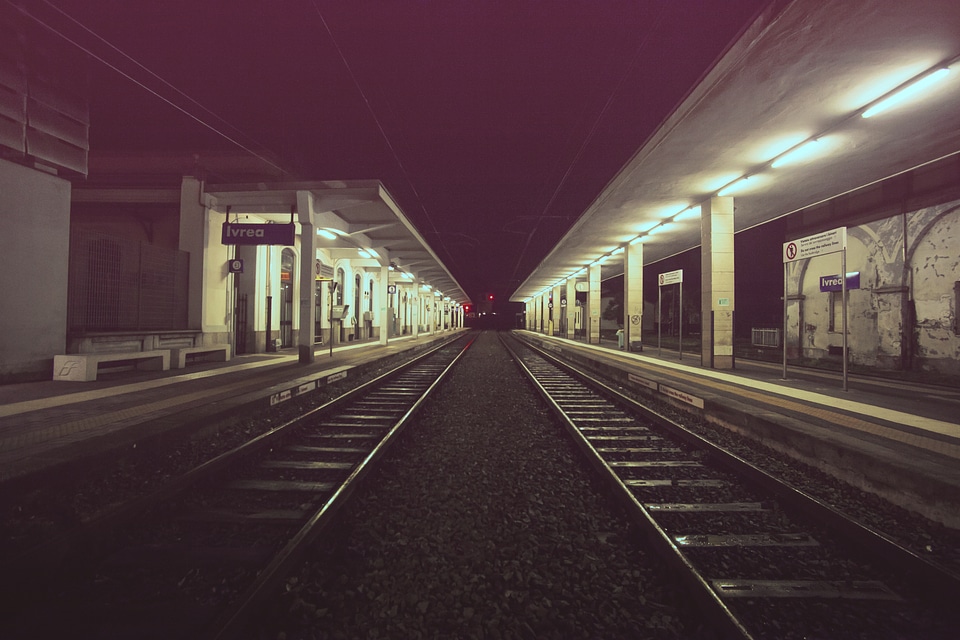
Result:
[[235, 233], [833, 283]]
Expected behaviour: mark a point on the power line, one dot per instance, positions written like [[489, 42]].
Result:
[[383, 133], [189, 114], [586, 141]]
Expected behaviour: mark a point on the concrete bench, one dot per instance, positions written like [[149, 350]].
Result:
[[82, 367], [178, 356]]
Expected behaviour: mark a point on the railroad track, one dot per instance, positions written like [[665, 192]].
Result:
[[762, 559], [196, 558]]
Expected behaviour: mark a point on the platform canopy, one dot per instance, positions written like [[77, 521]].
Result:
[[349, 216], [804, 70]]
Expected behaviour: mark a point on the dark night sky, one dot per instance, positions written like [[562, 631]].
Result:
[[494, 124]]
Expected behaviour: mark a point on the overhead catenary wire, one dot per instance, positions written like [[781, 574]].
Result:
[[232, 138], [587, 139], [380, 128]]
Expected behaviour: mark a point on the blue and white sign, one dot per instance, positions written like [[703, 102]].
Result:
[[833, 283]]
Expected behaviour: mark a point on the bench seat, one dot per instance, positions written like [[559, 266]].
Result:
[[82, 367], [178, 355]]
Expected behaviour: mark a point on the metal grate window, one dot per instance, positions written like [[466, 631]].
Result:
[[765, 337], [119, 285]]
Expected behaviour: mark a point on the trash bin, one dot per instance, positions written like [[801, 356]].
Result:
[[620, 339]]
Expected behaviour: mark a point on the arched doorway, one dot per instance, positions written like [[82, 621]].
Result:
[[287, 260]]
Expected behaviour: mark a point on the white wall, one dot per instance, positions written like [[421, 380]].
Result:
[[35, 244]]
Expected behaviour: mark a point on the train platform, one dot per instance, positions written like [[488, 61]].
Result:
[[897, 438], [48, 424]]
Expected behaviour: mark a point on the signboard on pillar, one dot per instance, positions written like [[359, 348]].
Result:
[[257, 234]]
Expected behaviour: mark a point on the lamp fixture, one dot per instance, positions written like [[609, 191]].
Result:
[[800, 153], [687, 214], [906, 92], [734, 186]]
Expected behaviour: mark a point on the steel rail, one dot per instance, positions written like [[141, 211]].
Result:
[[233, 622], [698, 586], [926, 577], [31, 567]]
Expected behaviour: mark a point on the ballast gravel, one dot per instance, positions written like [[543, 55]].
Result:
[[482, 522]]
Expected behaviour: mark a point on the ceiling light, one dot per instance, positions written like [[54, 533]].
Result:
[[806, 151], [734, 186], [323, 233], [687, 214], [906, 92], [638, 239], [363, 253], [617, 251], [660, 228]]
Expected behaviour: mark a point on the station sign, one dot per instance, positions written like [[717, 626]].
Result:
[[816, 245], [833, 283], [670, 277], [257, 234]]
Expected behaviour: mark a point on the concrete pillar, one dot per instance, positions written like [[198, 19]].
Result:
[[192, 240], [716, 282], [571, 308], [415, 304], [593, 304], [383, 302], [556, 312], [633, 297], [541, 322], [308, 287]]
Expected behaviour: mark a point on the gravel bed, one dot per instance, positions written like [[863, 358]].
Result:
[[41, 514], [482, 524], [925, 537]]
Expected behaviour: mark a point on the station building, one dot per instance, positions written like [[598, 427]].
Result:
[[206, 254]]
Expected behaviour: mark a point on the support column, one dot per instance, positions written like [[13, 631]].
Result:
[[383, 301], [308, 287], [556, 311], [633, 297], [541, 323], [593, 304], [716, 282], [193, 218], [414, 298], [571, 308]]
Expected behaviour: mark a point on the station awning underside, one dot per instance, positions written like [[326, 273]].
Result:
[[804, 70], [359, 214]]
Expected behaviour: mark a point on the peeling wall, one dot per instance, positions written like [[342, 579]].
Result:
[[897, 280]]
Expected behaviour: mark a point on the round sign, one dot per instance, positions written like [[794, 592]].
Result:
[[635, 319], [662, 279], [236, 266], [791, 250]]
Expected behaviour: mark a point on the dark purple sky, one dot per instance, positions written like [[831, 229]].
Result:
[[494, 124]]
